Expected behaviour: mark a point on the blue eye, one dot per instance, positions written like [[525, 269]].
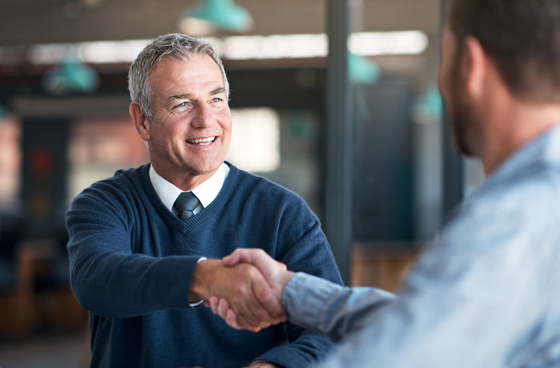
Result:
[[182, 105]]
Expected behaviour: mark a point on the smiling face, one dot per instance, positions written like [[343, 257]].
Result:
[[190, 132]]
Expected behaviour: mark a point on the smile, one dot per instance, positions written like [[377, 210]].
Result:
[[202, 141]]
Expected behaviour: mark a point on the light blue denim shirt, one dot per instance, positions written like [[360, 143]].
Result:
[[485, 295]]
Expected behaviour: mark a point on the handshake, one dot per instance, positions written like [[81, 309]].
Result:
[[244, 288]]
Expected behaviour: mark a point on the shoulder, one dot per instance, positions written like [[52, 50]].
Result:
[[259, 196], [264, 189], [504, 231], [124, 184], [509, 212], [535, 189]]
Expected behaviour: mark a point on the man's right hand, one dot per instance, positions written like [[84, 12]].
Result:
[[274, 272], [243, 286]]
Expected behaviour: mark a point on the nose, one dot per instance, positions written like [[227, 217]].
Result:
[[203, 117]]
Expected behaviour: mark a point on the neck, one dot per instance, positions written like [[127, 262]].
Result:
[[184, 181], [513, 124]]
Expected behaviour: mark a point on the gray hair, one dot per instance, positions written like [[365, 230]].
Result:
[[174, 45]]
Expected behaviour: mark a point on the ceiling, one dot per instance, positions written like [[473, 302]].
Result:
[[25, 22]]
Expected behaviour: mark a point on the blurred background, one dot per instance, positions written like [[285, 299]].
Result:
[[333, 99]]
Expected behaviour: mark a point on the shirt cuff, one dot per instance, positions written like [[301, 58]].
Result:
[[305, 297], [194, 305]]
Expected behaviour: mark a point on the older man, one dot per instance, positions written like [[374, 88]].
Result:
[[486, 294], [139, 240]]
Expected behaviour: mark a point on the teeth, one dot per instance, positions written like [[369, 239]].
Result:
[[202, 140]]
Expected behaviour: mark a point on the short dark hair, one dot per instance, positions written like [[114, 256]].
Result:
[[522, 37]]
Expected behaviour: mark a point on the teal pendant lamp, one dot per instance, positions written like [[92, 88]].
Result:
[[362, 70], [428, 106], [209, 15], [433, 102], [4, 113], [71, 76]]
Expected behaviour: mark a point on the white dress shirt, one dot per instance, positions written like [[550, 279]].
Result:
[[205, 192]]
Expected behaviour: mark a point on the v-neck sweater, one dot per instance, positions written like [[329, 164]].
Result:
[[131, 262]]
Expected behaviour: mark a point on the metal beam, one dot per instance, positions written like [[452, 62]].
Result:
[[340, 137]]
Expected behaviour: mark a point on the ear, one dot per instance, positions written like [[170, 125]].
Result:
[[141, 121], [475, 67]]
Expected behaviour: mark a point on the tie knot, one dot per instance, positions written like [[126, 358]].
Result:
[[185, 205]]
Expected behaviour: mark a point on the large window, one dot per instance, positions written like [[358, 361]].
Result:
[[98, 148], [281, 145]]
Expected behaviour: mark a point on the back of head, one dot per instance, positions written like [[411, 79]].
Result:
[[174, 45], [522, 37]]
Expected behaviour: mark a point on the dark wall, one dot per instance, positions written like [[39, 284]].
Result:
[[44, 175], [383, 187]]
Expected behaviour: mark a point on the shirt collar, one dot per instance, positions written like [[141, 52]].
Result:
[[544, 149], [205, 192]]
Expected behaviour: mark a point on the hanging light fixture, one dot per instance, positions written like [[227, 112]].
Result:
[[210, 15], [428, 107], [362, 70], [4, 112], [70, 76]]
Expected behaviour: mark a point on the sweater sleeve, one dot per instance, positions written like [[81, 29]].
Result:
[[107, 277], [303, 247]]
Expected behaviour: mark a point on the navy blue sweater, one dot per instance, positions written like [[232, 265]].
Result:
[[131, 263]]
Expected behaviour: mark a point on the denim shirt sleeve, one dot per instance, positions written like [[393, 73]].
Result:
[[478, 298], [336, 311], [484, 295]]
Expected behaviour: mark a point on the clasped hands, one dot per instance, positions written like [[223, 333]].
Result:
[[244, 288]]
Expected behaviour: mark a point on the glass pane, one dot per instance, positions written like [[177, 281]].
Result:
[[281, 145], [98, 148]]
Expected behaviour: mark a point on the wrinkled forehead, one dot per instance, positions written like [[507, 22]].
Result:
[[162, 63], [194, 76]]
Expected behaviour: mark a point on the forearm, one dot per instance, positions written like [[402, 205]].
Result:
[[325, 307], [109, 275], [120, 285]]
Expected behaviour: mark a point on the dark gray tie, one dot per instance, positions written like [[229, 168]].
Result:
[[185, 205]]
